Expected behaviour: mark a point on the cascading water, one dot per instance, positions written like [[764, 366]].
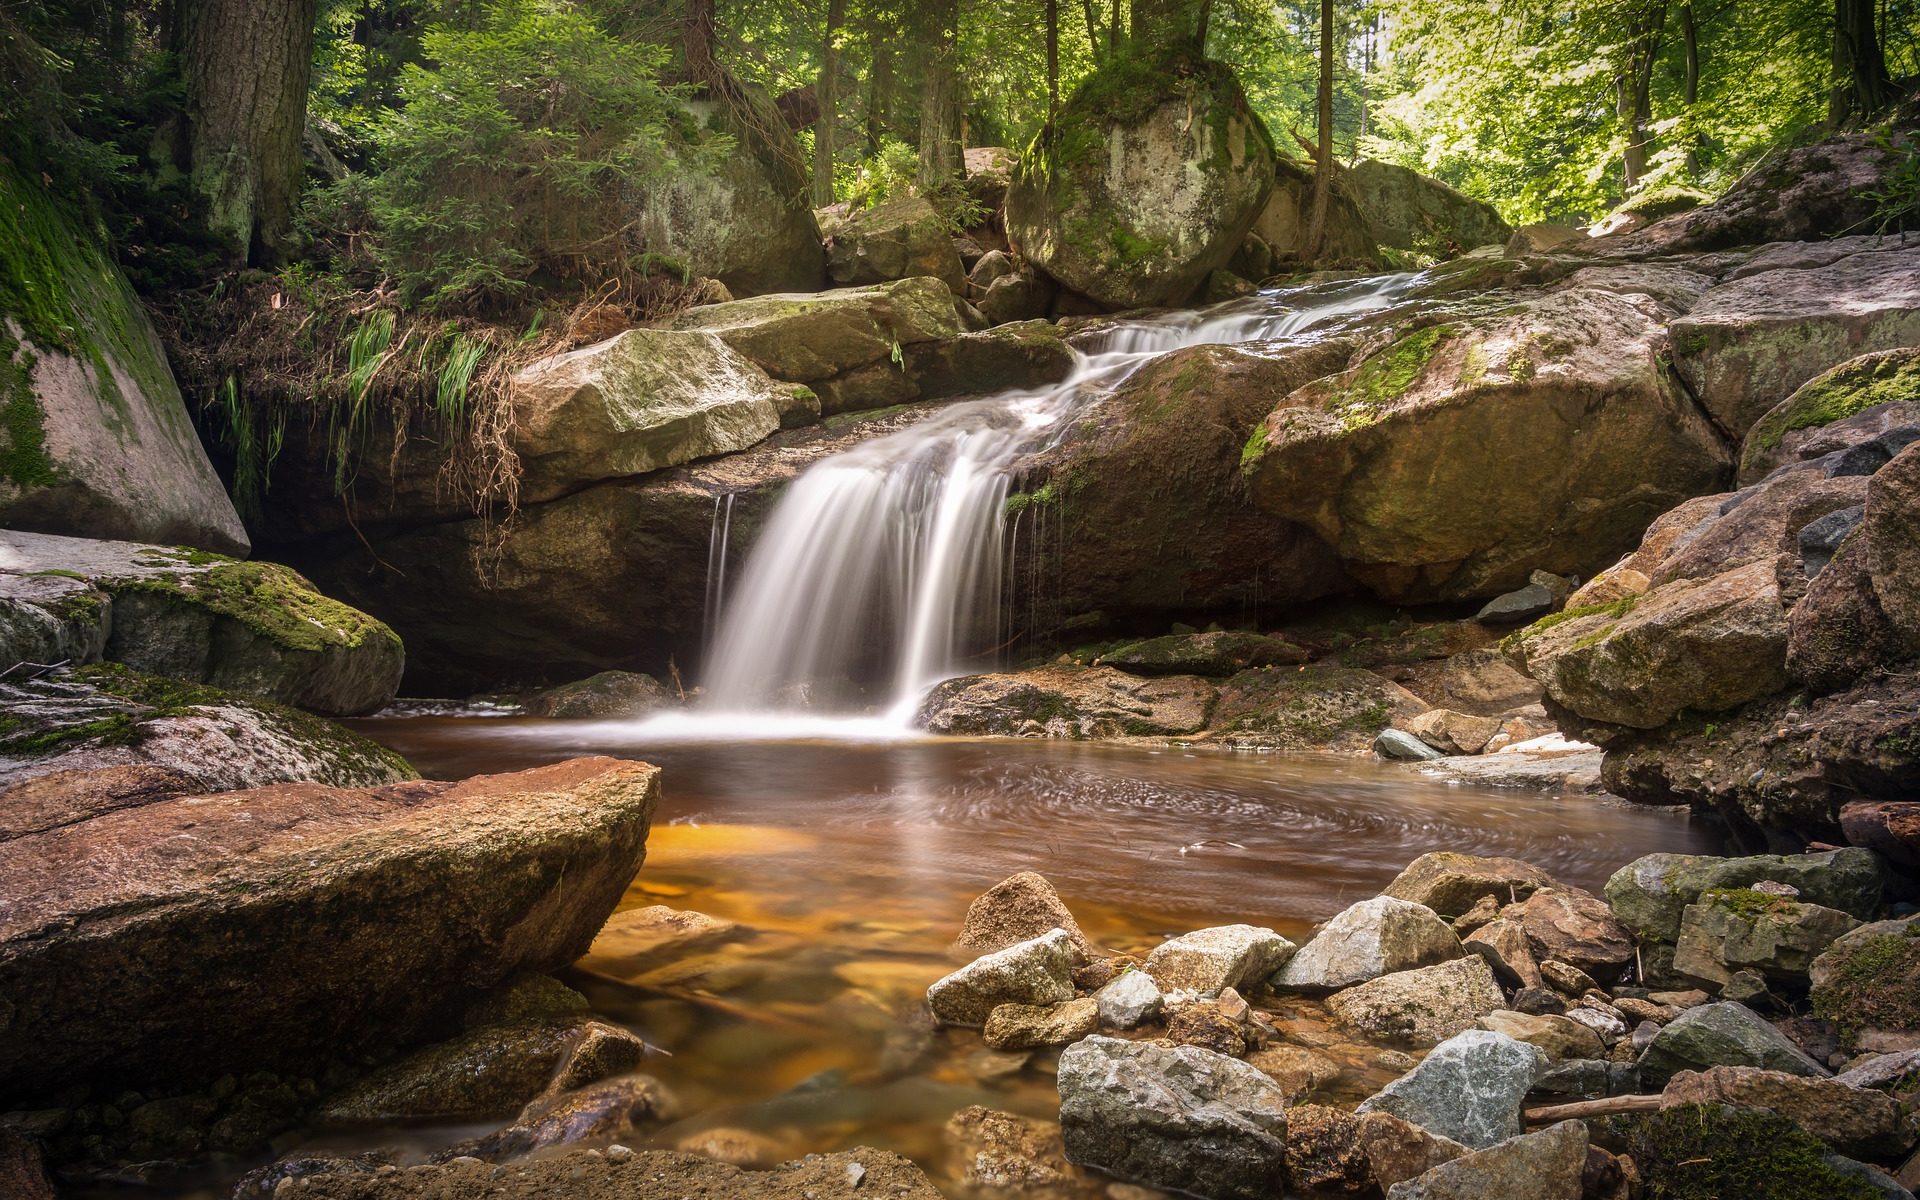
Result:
[[887, 559]]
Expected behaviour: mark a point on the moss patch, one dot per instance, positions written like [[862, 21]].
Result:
[[1370, 388], [1716, 1152], [1876, 985], [1850, 388], [273, 601]]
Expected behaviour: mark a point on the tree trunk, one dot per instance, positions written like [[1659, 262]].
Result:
[[879, 85], [1053, 59], [1323, 164], [1690, 83], [1634, 94], [1095, 45], [702, 66], [940, 157], [247, 67], [1167, 24], [1861, 85], [825, 129]]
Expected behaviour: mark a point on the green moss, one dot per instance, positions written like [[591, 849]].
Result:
[[1876, 985], [1255, 447], [1747, 903], [1849, 388], [1688, 344], [1718, 1152], [1019, 502], [271, 600], [23, 456], [1382, 379]]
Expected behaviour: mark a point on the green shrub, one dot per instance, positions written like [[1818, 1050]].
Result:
[[515, 156]]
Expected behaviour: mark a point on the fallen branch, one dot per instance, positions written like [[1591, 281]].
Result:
[[1611, 1106]]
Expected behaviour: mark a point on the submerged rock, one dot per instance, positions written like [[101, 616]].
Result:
[[1067, 702], [1145, 181], [243, 945], [1004, 1151], [256, 629], [1186, 1118], [1367, 940], [623, 1174], [1468, 1089], [1038, 972]]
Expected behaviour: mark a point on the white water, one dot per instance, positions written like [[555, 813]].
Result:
[[890, 555]]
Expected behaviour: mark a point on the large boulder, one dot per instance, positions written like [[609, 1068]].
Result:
[[1421, 1007], [748, 222], [1410, 211], [1729, 930], [896, 239], [1650, 895], [1144, 183], [1545, 1165], [1367, 940], [1452, 460], [62, 729], [96, 439], [1216, 653], [1843, 407], [1018, 908], [1861, 614], [1209, 961], [640, 401], [1747, 344], [1285, 218], [253, 628], [1723, 1034], [286, 926], [1184, 1118], [1142, 504], [1450, 883], [1067, 702], [1468, 1089], [1854, 1120]]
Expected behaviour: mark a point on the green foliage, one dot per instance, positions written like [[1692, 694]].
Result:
[[1896, 201], [515, 157]]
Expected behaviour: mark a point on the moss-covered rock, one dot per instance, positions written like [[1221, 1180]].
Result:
[[254, 628], [1068, 702], [1225, 652], [94, 437], [1310, 708], [1867, 395], [1454, 458], [1410, 211], [896, 239], [105, 715], [1868, 984], [1716, 1151], [1287, 215], [606, 695], [1146, 181]]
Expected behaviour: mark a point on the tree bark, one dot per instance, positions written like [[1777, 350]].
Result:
[[1634, 104], [1323, 153], [940, 150], [697, 29], [826, 128], [1861, 86], [248, 64], [879, 85]]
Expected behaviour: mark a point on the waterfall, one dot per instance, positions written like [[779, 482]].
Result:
[[885, 562]]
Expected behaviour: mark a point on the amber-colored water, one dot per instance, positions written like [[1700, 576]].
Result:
[[850, 864]]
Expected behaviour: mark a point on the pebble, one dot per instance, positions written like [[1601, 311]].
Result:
[[617, 1153]]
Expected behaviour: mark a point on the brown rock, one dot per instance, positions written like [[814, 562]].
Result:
[[1298, 1070], [64, 797], [1503, 943], [234, 932], [1484, 911], [1016, 909], [1331, 1152], [21, 1175], [1859, 1122], [1580, 930], [1452, 732], [1204, 1025], [603, 1111], [1029, 1026], [1000, 1150], [1560, 1038], [1450, 883], [1891, 827]]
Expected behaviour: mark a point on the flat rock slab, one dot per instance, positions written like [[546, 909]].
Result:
[[620, 1174], [199, 935]]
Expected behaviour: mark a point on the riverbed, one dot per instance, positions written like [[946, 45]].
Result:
[[849, 863]]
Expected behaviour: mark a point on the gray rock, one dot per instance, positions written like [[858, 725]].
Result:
[[1649, 895], [1882, 1070], [1723, 1034], [1209, 961], [1589, 1077], [1469, 1089], [1372, 938], [1726, 933], [1129, 1001], [1546, 1165], [1038, 971], [1423, 1006], [1186, 1118], [1401, 746], [1522, 604]]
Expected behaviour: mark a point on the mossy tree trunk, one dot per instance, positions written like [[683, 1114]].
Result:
[[940, 157], [247, 65]]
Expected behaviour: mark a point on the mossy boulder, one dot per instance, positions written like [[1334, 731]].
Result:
[[1410, 211], [1068, 702], [1738, 929], [253, 628], [896, 239], [52, 617], [1650, 895], [1749, 343], [748, 222], [1145, 182], [1452, 459], [1287, 215], [1860, 399], [1223, 652], [1323, 708], [1868, 983], [610, 694], [1018, 354], [94, 437], [1716, 1151], [290, 926], [71, 722]]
